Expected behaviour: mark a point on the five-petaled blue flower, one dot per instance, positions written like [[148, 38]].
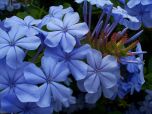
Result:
[[102, 76], [73, 60], [55, 12], [28, 24], [13, 43], [13, 82], [143, 14], [65, 32], [49, 77]]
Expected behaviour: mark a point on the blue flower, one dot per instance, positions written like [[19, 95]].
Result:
[[65, 32], [124, 18], [73, 60], [142, 13], [49, 77], [13, 82], [133, 3], [3, 4], [101, 72], [132, 63], [102, 76], [55, 12], [13, 43], [10, 104], [10, 5], [28, 24], [13, 4]]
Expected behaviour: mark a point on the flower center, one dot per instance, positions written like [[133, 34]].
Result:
[[65, 29], [67, 57], [12, 43], [12, 84]]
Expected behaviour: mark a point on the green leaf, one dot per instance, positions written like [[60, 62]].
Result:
[[22, 14]]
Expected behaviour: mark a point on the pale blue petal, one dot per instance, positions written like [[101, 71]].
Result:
[[94, 97], [56, 53], [48, 64], [92, 83], [4, 35], [9, 22], [60, 92], [34, 75], [146, 2], [81, 52], [60, 72], [94, 59], [53, 38], [29, 43], [45, 95], [68, 42], [108, 79], [78, 69], [78, 30], [15, 57], [4, 50], [55, 24], [27, 93], [133, 3], [109, 64], [70, 19]]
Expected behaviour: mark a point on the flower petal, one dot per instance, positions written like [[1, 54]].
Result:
[[108, 79], [60, 73], [53, 39], [55, 24], [33, 74], [15, 57], [70, 19], [78, 69], [45, 97], [78, 30], [68, 42], [60, 92], [92, 98], [92, 83], [48, 64], [27, 93], [81, 52], [29, 43]]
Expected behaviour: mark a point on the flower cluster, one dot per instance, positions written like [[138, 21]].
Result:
[[99, 60], [10, 5], [142, 9]]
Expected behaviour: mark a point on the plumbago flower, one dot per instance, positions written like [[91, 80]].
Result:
[[133, 3], [135, 78], [72, 61], [28, 24], [55, 12], [102, 76], [10, 5], [12, 44], [143, 14], [65, 32], [13, 82], [51, 73], [123, 17], [12, 104]]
